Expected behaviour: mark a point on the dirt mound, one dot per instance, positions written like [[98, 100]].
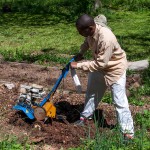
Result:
[[55, 132]]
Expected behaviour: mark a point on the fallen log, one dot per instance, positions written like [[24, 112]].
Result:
[[138, 65]]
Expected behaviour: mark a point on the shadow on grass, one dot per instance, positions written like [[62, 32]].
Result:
[[43, 56], [47, 12], [25, 20], [46, 50], [132, 41], [145, 77]]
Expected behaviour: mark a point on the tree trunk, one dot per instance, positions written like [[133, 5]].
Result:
[[97, 4]]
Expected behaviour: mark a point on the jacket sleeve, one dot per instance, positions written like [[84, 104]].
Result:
[[101, 58], [84, 47]]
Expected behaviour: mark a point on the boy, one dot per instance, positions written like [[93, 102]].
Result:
[[108, 68]]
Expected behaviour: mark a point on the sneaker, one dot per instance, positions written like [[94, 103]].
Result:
[[80, 122], [90, 117], [128, 136]]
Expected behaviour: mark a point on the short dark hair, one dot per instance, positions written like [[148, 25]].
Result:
[[84, 21]]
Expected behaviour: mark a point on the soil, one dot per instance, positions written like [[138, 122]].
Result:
[[55, 133]]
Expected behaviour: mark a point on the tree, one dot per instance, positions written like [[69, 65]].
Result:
[[97, 4]]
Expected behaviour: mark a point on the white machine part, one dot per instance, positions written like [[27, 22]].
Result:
[[29, 93]]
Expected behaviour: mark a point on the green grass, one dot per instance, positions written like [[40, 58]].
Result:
[[143, 119], [133, 32], [13, 144], [27, 37], [113, 140], [130, 5], [33, 38], [72, 7]]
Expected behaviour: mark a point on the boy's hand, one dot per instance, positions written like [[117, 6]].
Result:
[[73, 65], [78, 57]]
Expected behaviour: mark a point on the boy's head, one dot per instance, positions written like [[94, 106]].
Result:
[[85, 25]]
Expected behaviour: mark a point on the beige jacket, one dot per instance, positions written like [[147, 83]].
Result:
[[108, 56]]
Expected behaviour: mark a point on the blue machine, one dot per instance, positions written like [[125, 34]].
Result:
[[28, 107]]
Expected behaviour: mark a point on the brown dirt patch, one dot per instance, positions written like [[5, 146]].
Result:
[[55, 133]]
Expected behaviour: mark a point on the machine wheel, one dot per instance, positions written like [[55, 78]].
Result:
[[38, 125], [39, 113]]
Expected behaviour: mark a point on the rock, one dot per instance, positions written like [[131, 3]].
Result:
[[137, 77], [134, 81], [138, 65], [22, 90], [9, 85], [48, 147], [128, 93], [40, 87], [135, 85]]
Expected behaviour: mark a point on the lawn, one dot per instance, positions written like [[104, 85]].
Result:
[[37, 38]]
